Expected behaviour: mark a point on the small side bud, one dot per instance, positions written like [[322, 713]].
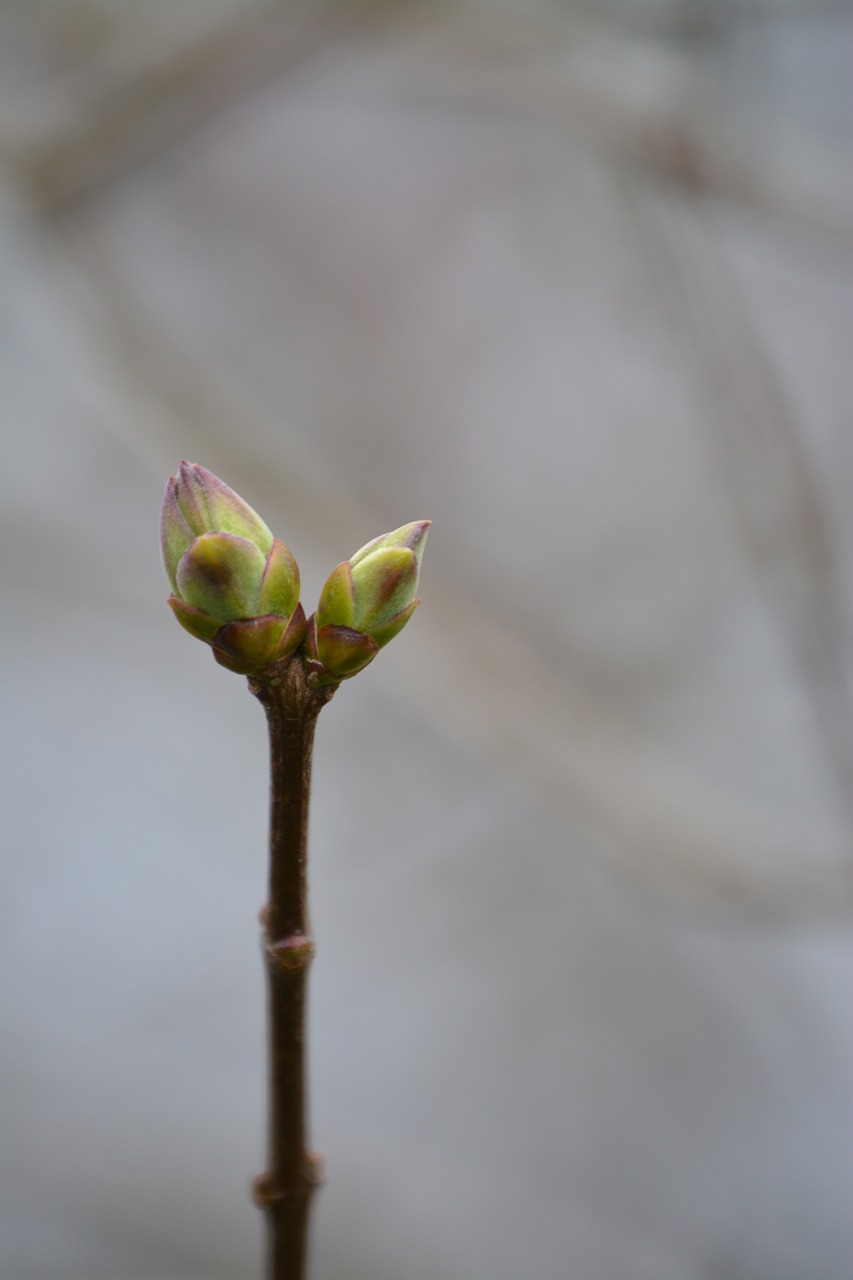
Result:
[[365, 602]]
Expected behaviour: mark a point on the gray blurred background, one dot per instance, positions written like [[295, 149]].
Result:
[[575, 282]]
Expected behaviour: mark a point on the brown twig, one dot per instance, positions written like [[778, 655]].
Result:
[[286, 1190]]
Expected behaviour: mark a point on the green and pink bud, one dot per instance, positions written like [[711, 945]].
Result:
[[365, 602], [234, 585]]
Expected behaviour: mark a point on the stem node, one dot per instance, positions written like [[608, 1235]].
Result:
[[293, 954]]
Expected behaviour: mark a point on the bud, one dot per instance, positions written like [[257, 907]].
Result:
[[234, 585], [366, 601]]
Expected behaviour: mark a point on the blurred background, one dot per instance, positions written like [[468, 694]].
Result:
[[574, 281]]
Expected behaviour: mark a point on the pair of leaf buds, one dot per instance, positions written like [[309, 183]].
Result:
[[236, 587]]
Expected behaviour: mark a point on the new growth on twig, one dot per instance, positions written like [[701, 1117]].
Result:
[[236, 587]]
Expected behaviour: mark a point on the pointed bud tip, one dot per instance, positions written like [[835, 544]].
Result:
[[411, 535], [420, 529], [186, 472]]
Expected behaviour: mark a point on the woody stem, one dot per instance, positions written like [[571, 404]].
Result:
[[286, 1190]]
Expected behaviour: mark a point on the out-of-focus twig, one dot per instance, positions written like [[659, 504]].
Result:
[[67, 136]]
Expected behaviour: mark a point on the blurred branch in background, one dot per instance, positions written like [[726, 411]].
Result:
[[145, 76], [108, 83]]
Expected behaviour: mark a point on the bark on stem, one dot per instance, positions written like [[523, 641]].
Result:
[[285, 1191]]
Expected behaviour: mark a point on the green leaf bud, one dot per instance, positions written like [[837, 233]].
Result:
[[343, 651], [279, 591], [365, 602], [234, 585], [196, 621], [337, 602], [221, 574], [383, 584], [412, 536], [196, 502], [248, 643]]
